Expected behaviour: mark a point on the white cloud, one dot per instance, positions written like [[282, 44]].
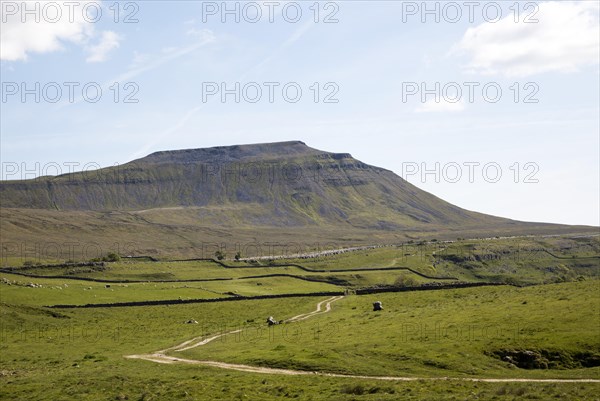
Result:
[[99, 52], [431, 106], [565, 39], [52, 26], [19, 39]]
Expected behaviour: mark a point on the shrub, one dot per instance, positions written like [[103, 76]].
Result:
[[405, 281], [111, 257], [357, 389]]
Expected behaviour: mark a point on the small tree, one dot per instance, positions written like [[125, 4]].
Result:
[[237, 256], [219, 255]]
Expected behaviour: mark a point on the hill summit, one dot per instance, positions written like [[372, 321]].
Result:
[[274, 184], [191, 202]]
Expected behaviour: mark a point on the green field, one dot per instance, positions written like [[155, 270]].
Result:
[[520, 261], [436, 333], [550, 330]]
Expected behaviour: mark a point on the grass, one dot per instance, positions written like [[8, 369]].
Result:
[[78, 354], [430, 333], [521, 261], [525, 260], [74, 292], [58, 235]]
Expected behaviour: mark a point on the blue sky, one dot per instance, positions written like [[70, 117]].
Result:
[[374, 59]]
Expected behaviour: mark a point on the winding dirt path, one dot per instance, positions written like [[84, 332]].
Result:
[[162, 357]]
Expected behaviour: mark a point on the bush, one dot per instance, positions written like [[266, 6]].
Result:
[[359, 389], [219, 255], [405, 281], [111, 257], [356, 389], [511, 281]]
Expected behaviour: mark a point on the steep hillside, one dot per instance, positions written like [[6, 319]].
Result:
[[266, 184], [276, 191]]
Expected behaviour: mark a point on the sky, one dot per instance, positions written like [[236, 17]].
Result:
[[492, 106]]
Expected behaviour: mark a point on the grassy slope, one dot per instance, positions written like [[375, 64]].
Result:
[[430, 334], [434, 333], [508, 260], [168, 204], [530, 260], [77, 354], [81, 235], [74, 292]]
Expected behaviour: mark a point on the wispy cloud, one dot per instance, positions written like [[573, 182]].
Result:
[[144, 62], [99, 52], [170, 55], [144, 150], [296, 35]]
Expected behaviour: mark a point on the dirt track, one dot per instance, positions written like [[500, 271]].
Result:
[[162, 357]]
